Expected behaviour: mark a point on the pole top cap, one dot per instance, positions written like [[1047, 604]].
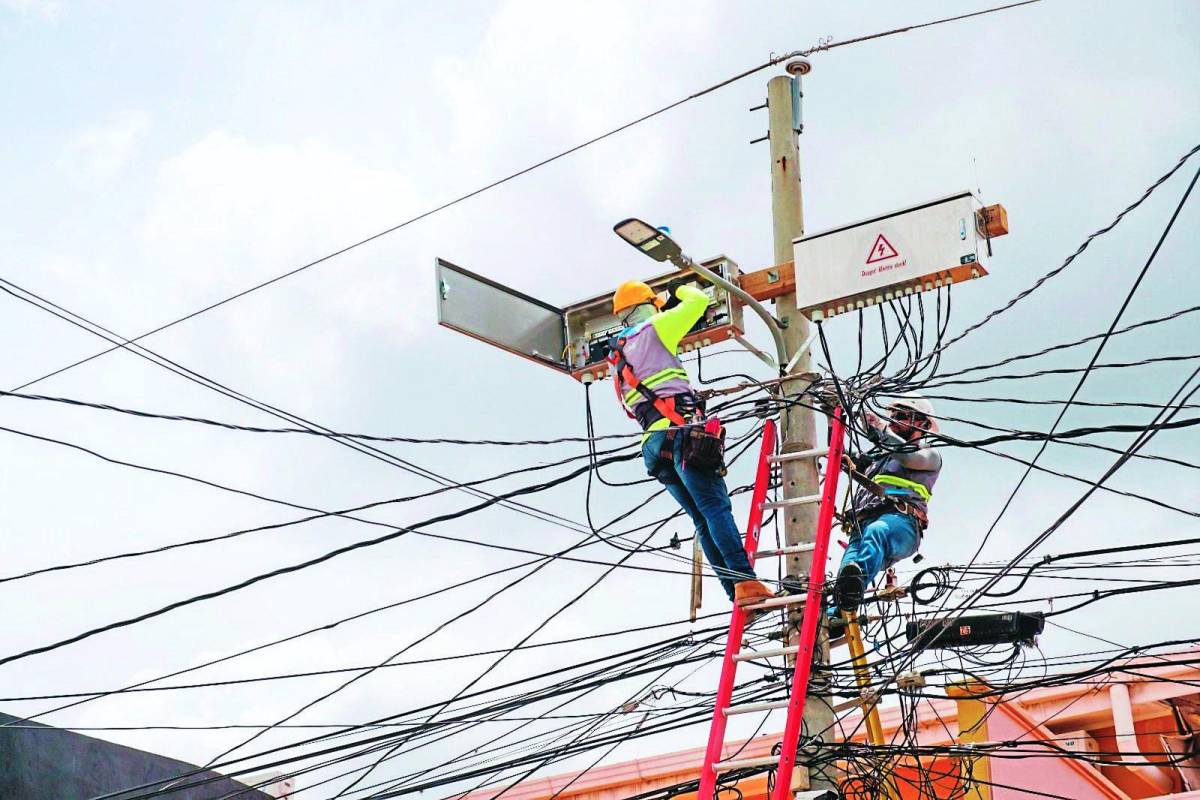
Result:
[[798, 66]]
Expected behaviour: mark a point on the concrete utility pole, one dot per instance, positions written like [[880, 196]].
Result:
[[800, 477]]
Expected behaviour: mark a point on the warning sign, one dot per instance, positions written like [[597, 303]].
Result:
[[881, 250]]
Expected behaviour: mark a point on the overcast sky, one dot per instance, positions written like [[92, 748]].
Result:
[[161, 156]]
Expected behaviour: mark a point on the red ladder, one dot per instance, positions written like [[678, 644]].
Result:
[[786, 761]]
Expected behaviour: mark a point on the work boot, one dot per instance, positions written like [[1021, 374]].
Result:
[[850, 587], [749, 593]]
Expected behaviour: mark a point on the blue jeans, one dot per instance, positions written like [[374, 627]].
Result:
[[887, 539], [702, 494]]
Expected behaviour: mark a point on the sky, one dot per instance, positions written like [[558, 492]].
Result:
[[162, 156]]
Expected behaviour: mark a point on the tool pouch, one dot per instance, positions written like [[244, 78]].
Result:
[[704, 445]]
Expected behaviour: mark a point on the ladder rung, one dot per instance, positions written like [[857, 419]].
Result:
[[762, 761], [753, 654], [807, 499], [783, 458], [807, 547], [777, 602], [750, 708]]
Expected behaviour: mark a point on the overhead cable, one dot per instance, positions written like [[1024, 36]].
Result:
[[772, 61]]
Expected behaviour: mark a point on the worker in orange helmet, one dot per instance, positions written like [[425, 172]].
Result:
[[654, 388]]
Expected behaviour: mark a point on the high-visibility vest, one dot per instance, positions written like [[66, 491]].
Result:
[[914, 486], [648, 377]]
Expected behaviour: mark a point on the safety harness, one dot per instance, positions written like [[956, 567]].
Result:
[[703, 440], [625, 374], [875, 486]]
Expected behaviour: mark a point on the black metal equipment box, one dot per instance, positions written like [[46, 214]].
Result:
[[975, 630]]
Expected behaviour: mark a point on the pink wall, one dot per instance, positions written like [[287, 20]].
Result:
[[1054, 776]]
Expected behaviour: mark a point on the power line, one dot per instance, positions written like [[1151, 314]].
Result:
[[1073, 343], [935, 383], [385, 739], [513, 176], [311, 562], [339, 670], [372, 452], [366, 437], [1095, 356], [1084, 246], [319, 514]]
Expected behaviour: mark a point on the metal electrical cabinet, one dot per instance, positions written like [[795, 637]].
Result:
[[912, 250], [572, 339]]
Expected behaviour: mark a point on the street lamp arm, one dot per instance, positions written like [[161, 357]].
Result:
[[684, 262]]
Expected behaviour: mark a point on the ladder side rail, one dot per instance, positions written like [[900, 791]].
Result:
[[762, 482], [812, 612], [737, 624]]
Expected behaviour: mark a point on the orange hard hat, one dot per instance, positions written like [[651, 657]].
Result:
[[632, 293]]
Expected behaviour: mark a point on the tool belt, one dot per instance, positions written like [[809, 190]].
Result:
[[853, 521], [704, 445]]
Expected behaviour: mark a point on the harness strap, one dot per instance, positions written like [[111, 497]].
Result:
[[624, 372], [617, 386], [916, 513], [667, 451]]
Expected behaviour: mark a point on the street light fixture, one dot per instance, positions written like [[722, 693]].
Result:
[[650, 240], [657, 244]]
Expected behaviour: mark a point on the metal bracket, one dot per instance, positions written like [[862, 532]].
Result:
[[791, 365], [797, 105], [763, 357]]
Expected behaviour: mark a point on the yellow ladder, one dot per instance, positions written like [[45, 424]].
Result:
[[862, 675]]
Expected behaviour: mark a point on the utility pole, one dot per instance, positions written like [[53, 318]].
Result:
[[799, 477]]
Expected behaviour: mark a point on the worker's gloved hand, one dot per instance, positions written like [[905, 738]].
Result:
[[672, 287], [861, 462]]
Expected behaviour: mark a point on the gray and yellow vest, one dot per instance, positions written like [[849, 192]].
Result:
[[913, 486], [657, 368]]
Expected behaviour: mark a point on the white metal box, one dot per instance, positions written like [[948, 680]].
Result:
[[912, 250], [1079, 742]]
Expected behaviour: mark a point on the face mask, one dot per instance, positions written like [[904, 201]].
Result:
[[638, 315], [909, 427]]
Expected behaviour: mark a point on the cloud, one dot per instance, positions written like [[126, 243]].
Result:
[[227, 205], [228, 212], [101, 151], [49, 10], [571, 71]]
